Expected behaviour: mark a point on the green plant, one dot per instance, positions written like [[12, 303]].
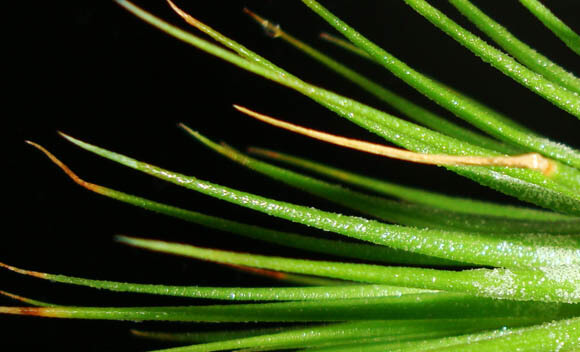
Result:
[[535, 276]]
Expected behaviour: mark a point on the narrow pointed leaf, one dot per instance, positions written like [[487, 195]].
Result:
[[333, 247], [439, 200], [524, 184], [462, 247], [425, 306], [548, 284], [393, 211], [230, 293], [556, 94], [517, 48], [27, 300], [402, 105], [464, 108], [337, 334], [553, 336], [559, 28]]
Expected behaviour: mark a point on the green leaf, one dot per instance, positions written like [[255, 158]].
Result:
[[393, 211], [517, 48], [401, 104], [463, 247], [425, 306], [229, 293], [337, 334], [333, 247], [559, 28], [556, 94], [462, 107], [547, 284], [525, 184], [411, 194], [553, 336]]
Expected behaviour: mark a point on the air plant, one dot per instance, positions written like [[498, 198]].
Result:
[[405, 269]]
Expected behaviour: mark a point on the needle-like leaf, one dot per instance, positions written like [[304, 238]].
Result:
[[438, 200], [517, 48], [559, 28], [406, 107], [525, 184], [463, 247], [533, 161], [556, 94], [464, 108], [425, 306], [229, 293], [333, 247], [337, 334], [547, 284], [393, 211], [552, 336]]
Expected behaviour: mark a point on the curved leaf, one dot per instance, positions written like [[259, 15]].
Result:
[[463, 247], [406, 107], [556, 94], [393, 211], [461, 106], [333, 247], [524, 184], [229, 293], [559, 28], [426, 306], [438, 200], [517, 48], [548, 284]]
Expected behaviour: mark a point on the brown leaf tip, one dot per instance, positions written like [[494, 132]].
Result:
[[30, 311], [22, 271], [272, 30]]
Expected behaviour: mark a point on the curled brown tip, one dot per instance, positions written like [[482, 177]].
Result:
[[63, 167]]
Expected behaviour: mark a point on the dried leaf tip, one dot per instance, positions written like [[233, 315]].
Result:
[[532, 161], [188, 129], [22, 271], [33, 311], [272, 30], [185, 16], [13, 296], [65, 168]]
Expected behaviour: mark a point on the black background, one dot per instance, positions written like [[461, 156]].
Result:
[[92, 70]]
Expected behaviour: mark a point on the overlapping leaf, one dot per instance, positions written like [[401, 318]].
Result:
[[400, 212], [463, 247], [559, 28], [527, 279], [527, 185]]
